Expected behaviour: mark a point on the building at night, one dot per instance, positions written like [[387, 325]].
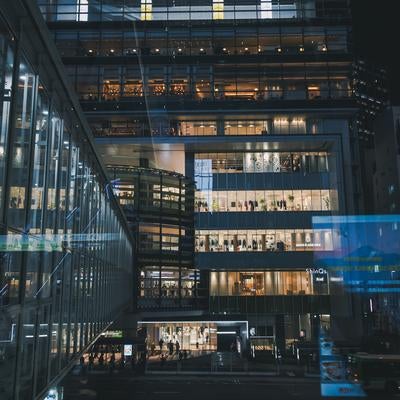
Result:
[[254, 101], [387, 162], [66, 251], [159, 207], [370, 92]]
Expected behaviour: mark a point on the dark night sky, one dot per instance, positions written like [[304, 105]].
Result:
[[377, 38]]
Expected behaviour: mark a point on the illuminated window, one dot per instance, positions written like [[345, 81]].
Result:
[[269, 283], [146, 9], [218, 9], [82, 10], [266, 9]]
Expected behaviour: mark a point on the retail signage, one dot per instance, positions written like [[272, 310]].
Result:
[[262, 347], [112, 334], [54, 394], [319, 271], [127, 349]]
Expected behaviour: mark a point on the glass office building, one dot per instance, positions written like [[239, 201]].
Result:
[[66, 253], [254, 100], [159, 206]]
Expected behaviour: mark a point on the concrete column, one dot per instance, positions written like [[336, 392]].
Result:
[[220, 127]]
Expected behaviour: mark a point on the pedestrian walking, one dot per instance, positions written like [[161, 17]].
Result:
[[91, 362], [162, 359], [101, 360], [133, 363], [111, 366]]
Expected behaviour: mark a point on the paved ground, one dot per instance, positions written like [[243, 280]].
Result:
[[116, 387], [228, 363], [219, 377], [102, 387]]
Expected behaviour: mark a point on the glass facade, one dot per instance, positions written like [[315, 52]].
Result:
[[254, 102], [159, 209], [271, 162], [265, 200], [277, 240], [66, 254], [268, 283], [180, 41], [169, 283], [240, 126], [196, 336], [165, 10], [212, 83]]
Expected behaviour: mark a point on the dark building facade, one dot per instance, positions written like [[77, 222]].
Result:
[[370, 91], [66, 252], [254, 101], [387, 162]]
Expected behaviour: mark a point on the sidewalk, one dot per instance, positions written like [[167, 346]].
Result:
[[237, 373], [230, 364], [223, 377]]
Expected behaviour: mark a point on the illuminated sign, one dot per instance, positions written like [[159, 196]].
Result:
[[262, 347], [54, 393], [320, 271], [51, 243], [112, 334], [127, 349]]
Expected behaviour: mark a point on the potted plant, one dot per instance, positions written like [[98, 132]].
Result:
[[291, 200], [215, 205], [327, 202], [263, 205]]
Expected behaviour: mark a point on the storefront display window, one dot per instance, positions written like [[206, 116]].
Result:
[[266, 162], [167, 282], [277, 240], [245, 127], [265, 200], [268, 283], [194, 336], [197, 128]]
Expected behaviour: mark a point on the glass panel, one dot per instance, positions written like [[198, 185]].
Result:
[[6, 70], [39, 162], [53, 162], [21, 147]]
